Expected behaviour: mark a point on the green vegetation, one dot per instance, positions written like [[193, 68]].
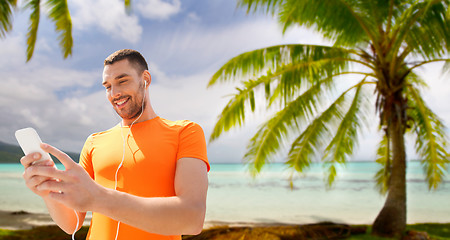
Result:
[[57, 11], [11, 154], [434, 230], [325, 97]]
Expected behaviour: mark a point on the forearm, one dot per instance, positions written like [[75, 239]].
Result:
[[165, 216], [63, 216]]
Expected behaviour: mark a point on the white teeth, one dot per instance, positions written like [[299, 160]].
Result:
[[121, 102]]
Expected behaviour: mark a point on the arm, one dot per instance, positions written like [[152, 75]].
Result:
[[64, 217], [181, 214]]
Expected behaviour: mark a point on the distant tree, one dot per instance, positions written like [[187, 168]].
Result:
[[58, 13], [381, 43]]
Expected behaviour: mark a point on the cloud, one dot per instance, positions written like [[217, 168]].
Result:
[[29, 96], [158, 9], [193, 46], [63, 122], [109, 16], [193, 17], [438, 90], [60, 98], [13, 47]]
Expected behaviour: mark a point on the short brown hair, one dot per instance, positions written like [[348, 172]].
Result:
[[134, 57]]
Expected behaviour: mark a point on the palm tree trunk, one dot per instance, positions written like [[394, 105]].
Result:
[[391, 221]]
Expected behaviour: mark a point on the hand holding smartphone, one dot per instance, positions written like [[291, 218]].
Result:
[[30, 142]]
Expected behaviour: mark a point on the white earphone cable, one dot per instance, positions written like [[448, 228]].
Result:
[[76, 227], [123, 152]]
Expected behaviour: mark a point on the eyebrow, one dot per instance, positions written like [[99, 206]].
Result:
[[122, 76], [116, 78]]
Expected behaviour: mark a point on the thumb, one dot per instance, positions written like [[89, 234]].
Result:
[[61, 156]]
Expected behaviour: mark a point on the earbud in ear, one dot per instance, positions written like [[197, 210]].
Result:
[[145, 84]]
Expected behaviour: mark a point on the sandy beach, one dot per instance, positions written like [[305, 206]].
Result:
[[35, 224], [21, 220], [27, 225]]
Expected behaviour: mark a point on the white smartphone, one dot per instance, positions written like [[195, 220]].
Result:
[[30, 142]]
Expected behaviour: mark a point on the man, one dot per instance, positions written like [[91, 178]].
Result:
[[145, 178]]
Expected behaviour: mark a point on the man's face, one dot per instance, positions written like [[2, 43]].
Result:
[[124, 89]]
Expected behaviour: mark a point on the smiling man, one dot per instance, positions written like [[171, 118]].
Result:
[[145, 178]]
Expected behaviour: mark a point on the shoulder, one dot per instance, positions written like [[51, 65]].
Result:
[[99, 135], [179, 124]]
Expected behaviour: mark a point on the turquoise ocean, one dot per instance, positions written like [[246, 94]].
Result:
[[234, 196]]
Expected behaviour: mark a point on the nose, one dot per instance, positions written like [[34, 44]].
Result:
[[114, 92]]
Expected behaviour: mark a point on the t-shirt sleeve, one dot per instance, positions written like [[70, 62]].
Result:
[[192, 143], [86, 158]]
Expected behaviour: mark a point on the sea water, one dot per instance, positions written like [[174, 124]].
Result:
[[235, 196]]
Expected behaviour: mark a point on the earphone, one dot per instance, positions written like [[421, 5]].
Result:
[[124, 144]]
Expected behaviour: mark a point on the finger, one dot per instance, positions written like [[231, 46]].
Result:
[[45, 162], [46, 171], [58, 196], [32, 171], [52, 186], [35, 181], [28, 159], [61, 156]]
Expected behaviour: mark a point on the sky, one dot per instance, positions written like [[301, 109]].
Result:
[[184, 42]]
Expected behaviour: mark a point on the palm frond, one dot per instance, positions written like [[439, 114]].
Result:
[[288, 80], [425, 29], [345, 140], [446, 68], [384, 157], [342, 21], [448, 12], [255, 63], [6, 9], [249, 64], [267, 141], [234, 112], [431, 140], [59, 14], [307, 146], [127, 4], [302, 75], [301, 66], [270, 6], [34, 5], [273, 132]]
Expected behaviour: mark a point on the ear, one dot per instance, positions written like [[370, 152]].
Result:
[[147, 77]]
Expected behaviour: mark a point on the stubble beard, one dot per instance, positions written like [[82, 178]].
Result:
[[135, 108]]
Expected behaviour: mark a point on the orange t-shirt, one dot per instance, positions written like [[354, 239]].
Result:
[[148, 170]]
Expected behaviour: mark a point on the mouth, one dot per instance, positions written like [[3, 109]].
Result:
[[121, 102]]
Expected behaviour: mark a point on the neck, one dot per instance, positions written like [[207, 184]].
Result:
[[147, 114]]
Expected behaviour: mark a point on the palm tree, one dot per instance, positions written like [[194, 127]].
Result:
[[58, 13], [323, 94]]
